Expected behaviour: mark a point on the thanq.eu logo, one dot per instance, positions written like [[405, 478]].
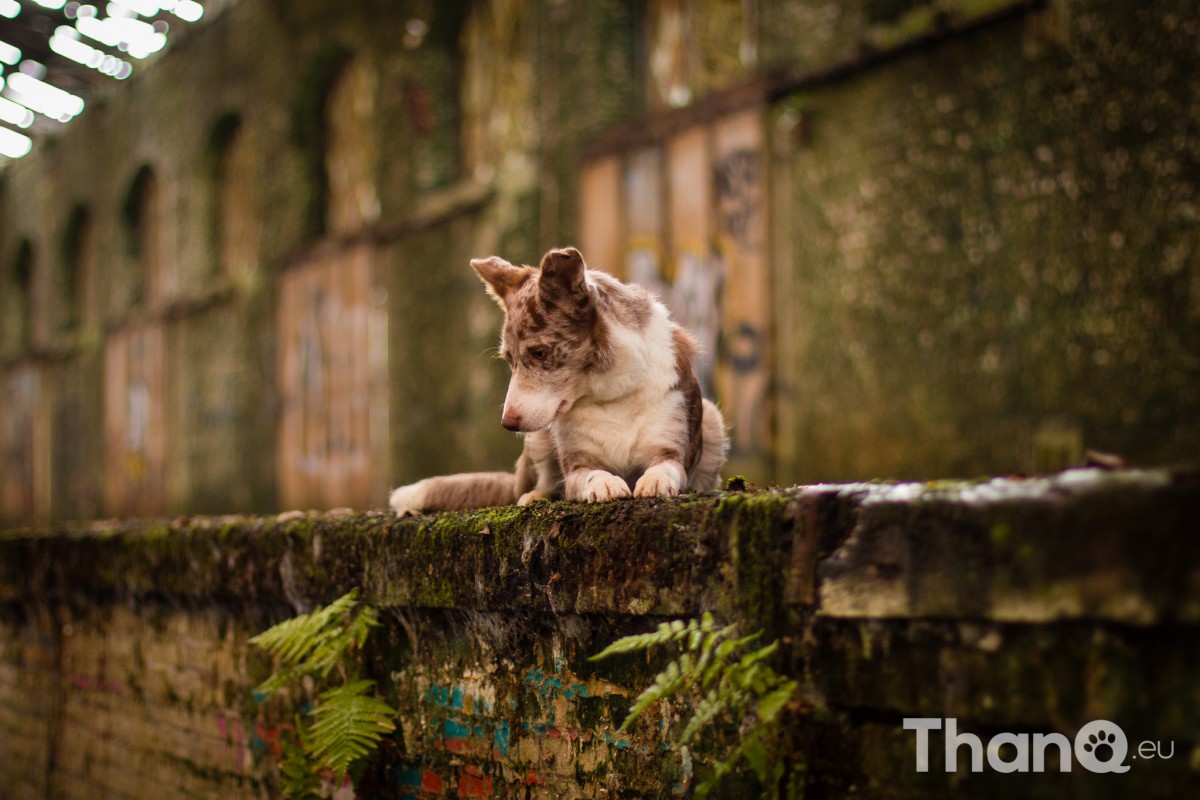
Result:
[[1099, 746]]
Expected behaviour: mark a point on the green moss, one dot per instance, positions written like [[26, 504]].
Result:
[[754, 525]]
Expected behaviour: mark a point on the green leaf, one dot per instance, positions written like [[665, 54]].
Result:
[[348, 725], [298, 774], [294, 639], [316, 643], [770, 705], [755, 753]]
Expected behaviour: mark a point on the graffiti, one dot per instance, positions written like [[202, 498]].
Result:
[[466, 739], [325, 382], [695, 302], [739, 195], [745, 348]]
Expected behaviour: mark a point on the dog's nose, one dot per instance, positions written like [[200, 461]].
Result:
[[511, 420]]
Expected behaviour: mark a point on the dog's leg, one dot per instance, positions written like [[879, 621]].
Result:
[[595, 486], [586, 479], [538, 475], [664, 479], [706, 474]]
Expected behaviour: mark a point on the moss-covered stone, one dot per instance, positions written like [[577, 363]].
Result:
[[1010, 605]]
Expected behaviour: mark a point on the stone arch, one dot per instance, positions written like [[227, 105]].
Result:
[[19, 308], [236, 224], [78, 268], [142, 213]]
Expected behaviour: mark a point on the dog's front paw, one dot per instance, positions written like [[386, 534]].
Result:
[[532, 496], [661, 480], [408, 500], [601, 486]]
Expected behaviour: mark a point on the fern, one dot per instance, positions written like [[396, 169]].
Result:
[[348, 725], [347, 722], [721, 677], [316, 643], [299, 773]]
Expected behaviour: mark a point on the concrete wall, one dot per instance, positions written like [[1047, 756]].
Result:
[[1024, 606], [990, 247]]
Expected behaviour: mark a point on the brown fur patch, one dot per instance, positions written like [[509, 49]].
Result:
[[685, 381], [631, 305], [501, 278], [469, 490], [572, 333], [571, 462]]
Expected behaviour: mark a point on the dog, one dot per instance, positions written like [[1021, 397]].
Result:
[[603, 389]]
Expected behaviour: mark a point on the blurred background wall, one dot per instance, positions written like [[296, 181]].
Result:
[[917, 239]]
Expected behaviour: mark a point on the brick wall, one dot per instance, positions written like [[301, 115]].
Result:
[[1019, 606]]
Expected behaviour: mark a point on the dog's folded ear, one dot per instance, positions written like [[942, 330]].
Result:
[[500, 277], [562, 278]]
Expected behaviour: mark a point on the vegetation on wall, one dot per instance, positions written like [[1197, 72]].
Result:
[[337, 736], [718, 679]]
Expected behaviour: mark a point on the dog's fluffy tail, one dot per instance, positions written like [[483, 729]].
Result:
[[455, 493]]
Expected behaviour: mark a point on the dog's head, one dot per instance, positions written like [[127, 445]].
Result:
[[549, 334]]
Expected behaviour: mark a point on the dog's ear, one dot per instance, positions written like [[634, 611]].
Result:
[[500, 277], [562, 279]]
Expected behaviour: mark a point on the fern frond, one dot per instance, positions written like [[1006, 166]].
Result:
[[768, 707], [348, 724], [722, 675], [299, 778], [665, 632], [708, 709], [666, 683], [293, 640], [316, 643]]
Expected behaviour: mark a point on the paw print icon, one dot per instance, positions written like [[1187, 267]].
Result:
[[1101, 746]]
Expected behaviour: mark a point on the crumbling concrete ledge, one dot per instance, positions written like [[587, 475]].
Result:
[[1014, 605]]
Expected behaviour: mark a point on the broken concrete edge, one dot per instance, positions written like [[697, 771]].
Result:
[[1118, 546]]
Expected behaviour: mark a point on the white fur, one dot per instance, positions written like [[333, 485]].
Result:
[[535, 407], [629, 411], [597, 486], [409, 499], [660, 480]]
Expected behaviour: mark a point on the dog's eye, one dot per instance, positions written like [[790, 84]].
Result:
[[538, 353]]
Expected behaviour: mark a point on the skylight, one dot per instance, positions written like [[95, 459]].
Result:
[[55, 54]]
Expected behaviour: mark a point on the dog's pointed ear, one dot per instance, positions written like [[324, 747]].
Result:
[[500, 277], [562, 278]]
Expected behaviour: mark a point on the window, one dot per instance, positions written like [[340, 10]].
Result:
[[236, 220], [78, 269], [350, 154], [19, 308], [143, 228]]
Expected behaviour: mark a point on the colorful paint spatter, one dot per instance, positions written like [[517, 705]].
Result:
[[462, 724], [473, 783], [468, 725], [408, 781]]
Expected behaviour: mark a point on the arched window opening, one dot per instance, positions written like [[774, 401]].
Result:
[[143, 228], [78, 269], [236, 222], [20, 306], [350, 151]]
